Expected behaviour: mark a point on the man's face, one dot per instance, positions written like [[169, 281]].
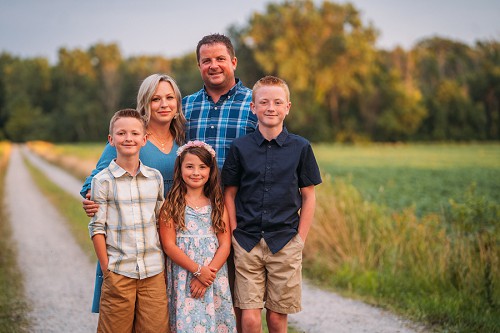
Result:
[[217, 67]]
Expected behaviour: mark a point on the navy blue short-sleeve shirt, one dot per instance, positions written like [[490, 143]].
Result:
[[269, 175]]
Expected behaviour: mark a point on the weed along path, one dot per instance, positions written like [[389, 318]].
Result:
[[58, 276], [322, 311]]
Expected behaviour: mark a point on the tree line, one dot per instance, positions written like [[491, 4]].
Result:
[[343, 87]]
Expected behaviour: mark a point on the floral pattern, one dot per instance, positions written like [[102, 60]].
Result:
[[214, 312]]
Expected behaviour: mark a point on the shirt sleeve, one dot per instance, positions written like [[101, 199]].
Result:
[[99, 194], [159, 198], [107, 156], [309, 171], [230, 174]]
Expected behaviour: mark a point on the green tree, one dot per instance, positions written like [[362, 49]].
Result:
[[134, 70], [484, 85], [77, 113], [25, 85], [186, 74], [107, 60], [248, 69], [322, 52]]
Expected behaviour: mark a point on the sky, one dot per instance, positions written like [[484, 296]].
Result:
[[171, 28]]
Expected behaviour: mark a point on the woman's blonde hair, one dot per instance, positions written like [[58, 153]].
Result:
[[146, 92]]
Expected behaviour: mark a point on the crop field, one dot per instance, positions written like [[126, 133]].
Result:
[[423, 176]]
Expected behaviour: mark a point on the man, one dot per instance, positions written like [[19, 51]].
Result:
[[220, 111]]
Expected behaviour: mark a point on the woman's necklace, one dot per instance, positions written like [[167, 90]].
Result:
[[160, 144]]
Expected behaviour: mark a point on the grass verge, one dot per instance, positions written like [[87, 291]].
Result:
[[67, 206], [13, 304], [441, 269]]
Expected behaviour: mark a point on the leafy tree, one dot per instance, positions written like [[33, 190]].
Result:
[[77, 114], [107, 60], [248, 69], [186, 74], [134, 70], [322, 52], [485, 85], [25, 85]]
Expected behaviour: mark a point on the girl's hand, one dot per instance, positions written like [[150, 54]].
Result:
[[197, 288], [89, 206], [207, 275]]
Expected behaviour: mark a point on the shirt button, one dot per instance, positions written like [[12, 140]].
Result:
[[215, 108], [267, 190], [212, 127], [269, 146]]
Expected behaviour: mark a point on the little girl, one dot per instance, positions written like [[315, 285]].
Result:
[[195, 236]]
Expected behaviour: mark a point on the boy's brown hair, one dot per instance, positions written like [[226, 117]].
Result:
[[126, 113]]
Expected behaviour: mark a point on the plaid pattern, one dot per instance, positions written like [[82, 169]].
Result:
[[218, 124], [127, 216]]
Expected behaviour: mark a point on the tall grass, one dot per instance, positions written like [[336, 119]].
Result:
[[79, 159], [442, 268], [13, 305]]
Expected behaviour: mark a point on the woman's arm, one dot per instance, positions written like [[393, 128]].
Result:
[[168, 241]]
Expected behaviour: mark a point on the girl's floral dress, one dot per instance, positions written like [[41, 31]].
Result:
[[214, 312]]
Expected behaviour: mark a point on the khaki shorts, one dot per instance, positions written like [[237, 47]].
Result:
[[275, 279], [132, 305]]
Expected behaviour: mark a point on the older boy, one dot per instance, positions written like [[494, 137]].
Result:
[[124, 233], [269, 176]]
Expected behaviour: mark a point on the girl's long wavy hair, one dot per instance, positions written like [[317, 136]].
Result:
[[175, 203]]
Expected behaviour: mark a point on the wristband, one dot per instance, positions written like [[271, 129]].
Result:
[[198, 272]]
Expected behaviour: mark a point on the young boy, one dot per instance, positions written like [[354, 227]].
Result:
[[269, 176], [124, 233]]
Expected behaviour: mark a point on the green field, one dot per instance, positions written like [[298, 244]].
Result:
[[424, 176]]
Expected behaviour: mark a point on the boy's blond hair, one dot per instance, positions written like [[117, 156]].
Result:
[[126, 113], [270, 80]]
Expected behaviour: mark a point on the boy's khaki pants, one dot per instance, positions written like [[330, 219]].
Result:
[[133, 305]]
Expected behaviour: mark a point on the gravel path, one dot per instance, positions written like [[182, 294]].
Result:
[[58, 276], [60, 286]]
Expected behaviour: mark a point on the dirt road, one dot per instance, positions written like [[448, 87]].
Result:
[[59, 278]]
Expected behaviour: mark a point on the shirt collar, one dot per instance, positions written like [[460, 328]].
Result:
[[230, 93], [280, 139], [117, 171]]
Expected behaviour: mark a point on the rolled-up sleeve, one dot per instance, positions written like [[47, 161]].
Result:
[[98, 194]]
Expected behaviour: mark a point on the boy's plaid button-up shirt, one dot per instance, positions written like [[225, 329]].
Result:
[[127, 216]]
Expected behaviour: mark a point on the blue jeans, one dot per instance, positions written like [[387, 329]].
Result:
[[97, 289]]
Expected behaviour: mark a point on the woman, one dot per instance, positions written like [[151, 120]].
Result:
[[159, 101]]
